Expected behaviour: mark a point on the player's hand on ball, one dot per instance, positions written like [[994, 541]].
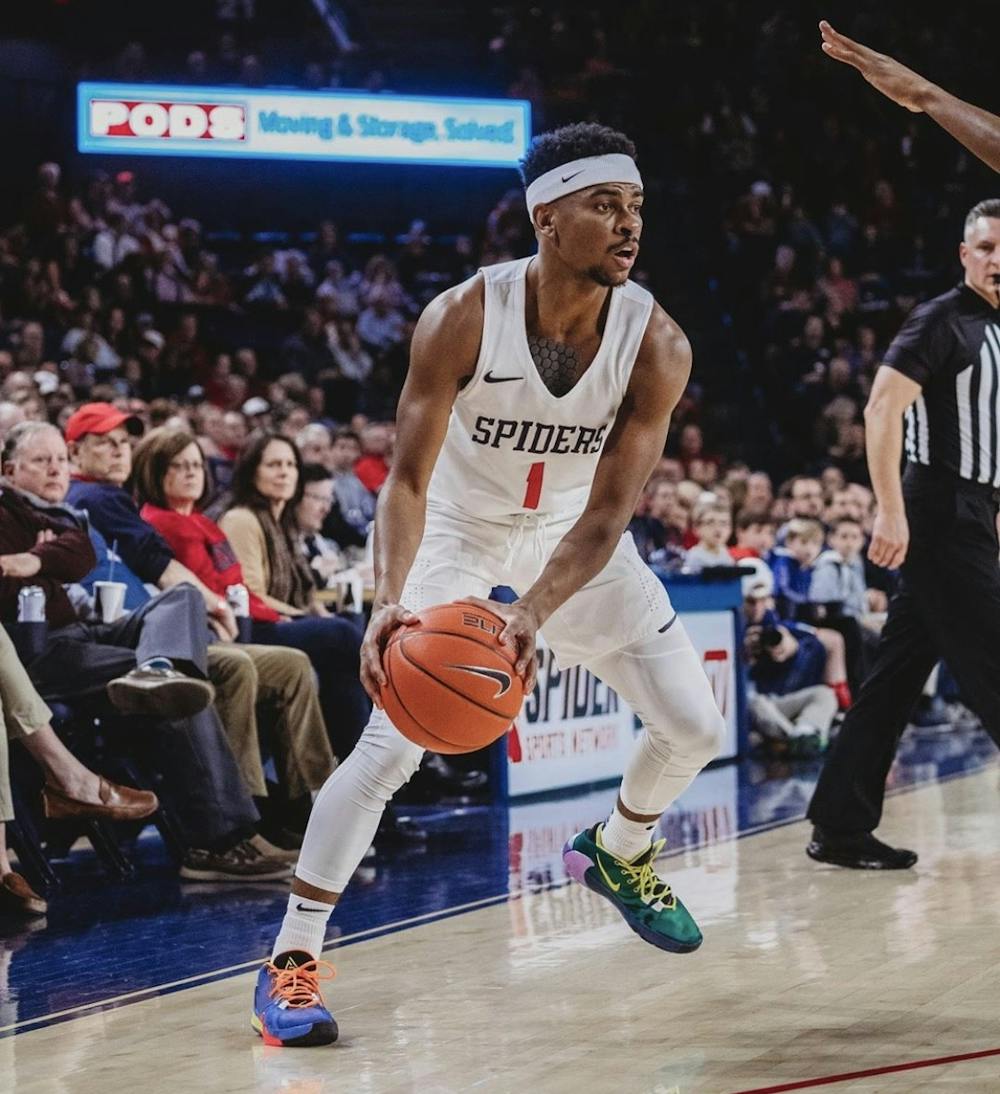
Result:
[[383, 622], [518, 634], [890, 540]]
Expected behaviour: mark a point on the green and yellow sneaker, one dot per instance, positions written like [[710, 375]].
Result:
[[646, 902]]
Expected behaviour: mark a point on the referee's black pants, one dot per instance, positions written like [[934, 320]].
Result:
[[947, 608]]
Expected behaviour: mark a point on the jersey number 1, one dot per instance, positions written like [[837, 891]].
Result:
[[533, 492]]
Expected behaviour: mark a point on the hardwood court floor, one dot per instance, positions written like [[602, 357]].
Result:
[[806, 972]]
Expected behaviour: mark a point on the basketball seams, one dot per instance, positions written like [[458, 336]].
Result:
[[490, 645], [440, 744], [437, 679], [422, 728], [387, 661]]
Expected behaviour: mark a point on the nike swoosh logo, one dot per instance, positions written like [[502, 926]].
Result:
[[566, 178], [300, 907], [614, 886], [669, 623], [499, 677], [491, 379]]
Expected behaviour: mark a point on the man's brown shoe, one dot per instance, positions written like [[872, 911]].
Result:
[[117, 803], [18, 898]]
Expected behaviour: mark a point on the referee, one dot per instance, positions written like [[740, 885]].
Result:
[[941, 377]]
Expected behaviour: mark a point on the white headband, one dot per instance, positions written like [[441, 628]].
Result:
[[567, 178]]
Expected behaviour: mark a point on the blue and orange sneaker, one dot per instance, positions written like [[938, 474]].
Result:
[[288, 1009], [646, 902]]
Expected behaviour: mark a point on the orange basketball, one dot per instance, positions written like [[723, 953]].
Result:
[[450, 685]]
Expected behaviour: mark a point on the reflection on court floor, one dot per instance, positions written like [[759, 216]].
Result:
[[806, 971]]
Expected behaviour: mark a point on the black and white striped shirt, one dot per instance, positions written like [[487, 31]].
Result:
[[951, 347]]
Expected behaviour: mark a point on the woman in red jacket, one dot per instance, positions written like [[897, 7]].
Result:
[[170, 484]]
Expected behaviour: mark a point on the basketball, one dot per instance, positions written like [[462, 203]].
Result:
[[450, 685]]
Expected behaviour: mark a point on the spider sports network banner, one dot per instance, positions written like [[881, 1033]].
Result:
[[573, 729], [244, 123]]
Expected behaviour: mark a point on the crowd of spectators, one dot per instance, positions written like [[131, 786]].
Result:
[[790, 229], [792, 219], [109, 504], [213, 711], [813, 603], [111, 339]]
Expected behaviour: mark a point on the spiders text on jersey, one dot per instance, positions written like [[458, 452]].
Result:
[[538, 438]]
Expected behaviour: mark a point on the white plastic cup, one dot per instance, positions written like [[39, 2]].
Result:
[[109, 599]]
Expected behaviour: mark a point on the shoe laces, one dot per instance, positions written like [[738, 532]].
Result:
[[644, 880], [299, 985]]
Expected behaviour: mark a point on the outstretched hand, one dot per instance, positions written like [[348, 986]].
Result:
[[518, 634], [895, 81]]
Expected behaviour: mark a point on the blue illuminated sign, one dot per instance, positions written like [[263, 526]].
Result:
[[145, 120]]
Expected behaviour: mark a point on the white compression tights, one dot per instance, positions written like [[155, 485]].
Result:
[[661, 678], [347, 810]]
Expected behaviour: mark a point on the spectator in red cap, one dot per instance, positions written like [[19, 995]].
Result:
[[99, 420], [98, 435]]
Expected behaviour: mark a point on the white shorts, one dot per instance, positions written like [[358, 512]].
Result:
[[464, 556]]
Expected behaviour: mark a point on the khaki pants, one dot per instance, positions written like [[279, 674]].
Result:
[[22, 710], [799, 712], [271, 687]]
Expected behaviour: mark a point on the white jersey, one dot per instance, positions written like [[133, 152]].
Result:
[[514, 448]]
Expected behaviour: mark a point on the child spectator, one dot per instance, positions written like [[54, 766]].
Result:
[[713, 526], [793, 564], [839, 584], [839, 573], [755, 533]]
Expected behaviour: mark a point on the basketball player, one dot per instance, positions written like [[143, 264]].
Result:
[[974, 127], [536, 406]]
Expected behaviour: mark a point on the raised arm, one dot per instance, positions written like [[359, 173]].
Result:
[[974, 127], [635, 443], [443, 355]]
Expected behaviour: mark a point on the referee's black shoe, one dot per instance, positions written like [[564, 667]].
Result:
[[858, 851]]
